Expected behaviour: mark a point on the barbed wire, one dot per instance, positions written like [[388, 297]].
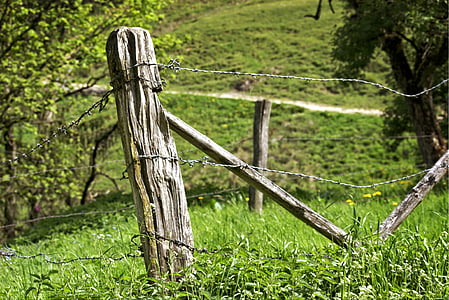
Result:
[[214, 193], [272, 140], [108, 211], [101, 104], [7, 178], [175, 65], [9, 254], [178, 243], [68, 216], [376, 170], [205, 162]]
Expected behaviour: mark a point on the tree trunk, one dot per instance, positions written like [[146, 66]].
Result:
[[10, 208], [431, 142]]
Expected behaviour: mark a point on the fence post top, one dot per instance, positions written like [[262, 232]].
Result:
[[131, 56], [130, 29]]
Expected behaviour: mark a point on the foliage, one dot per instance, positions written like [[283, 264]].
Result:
[[414, 36], [50, 53], [422, 24]]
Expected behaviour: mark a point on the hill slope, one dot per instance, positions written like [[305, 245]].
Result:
[[265, 37]]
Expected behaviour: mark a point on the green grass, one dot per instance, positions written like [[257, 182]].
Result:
[[229, 123], [265, 37], [269, 256]]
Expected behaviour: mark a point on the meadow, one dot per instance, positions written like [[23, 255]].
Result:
[[94, 254], [268, 256]]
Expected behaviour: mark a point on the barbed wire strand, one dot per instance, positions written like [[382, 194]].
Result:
[[7, 178], [205, 162], [376, 170], [273, 140], [108, 211], [68, 216], [175, 65], [214, 193], [9, 254], [101, 104]]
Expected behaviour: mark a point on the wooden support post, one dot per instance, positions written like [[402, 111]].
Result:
[[260, 145], [254, 178], [157, 185], [414, 197]]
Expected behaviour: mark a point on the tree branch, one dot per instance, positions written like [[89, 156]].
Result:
[[412, 43], [317, 14], [33, 25], [392, 45], [93, 161]]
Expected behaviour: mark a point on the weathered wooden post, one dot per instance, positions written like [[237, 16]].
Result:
[[414, 197], [156, 183], [260, 145]]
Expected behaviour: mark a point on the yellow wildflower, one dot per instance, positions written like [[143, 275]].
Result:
[[378, 193], [367, 196]]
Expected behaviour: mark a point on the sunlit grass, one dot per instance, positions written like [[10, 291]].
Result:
[[268, 256]]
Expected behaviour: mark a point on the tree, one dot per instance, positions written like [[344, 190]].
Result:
[[51, 51], [414, 36]]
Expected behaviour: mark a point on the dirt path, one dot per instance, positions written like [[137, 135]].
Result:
[[307, 105], [99, 89]]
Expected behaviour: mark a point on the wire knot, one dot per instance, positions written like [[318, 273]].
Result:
[[173, 64]]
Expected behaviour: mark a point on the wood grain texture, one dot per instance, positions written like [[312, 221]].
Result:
[[414, 197], [260, 148], [157, 185]]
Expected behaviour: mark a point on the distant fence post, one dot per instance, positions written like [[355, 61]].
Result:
[[260, 145], [414, 197], [157, 185]]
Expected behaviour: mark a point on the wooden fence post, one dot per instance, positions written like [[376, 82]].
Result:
[[260, 145], [157, 185], [414, 197]]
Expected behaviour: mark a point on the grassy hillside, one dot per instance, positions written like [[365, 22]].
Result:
[[265, 37]]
